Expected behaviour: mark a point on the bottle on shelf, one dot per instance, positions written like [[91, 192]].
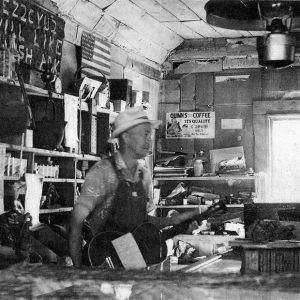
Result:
[[198, 167]]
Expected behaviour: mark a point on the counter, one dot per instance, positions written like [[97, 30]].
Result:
[[52, 282]]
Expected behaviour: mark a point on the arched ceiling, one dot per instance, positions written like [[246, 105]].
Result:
[[151, 28]]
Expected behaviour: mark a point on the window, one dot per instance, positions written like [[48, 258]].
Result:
[[284, 158]]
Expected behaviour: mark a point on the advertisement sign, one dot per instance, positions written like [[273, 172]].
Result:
[[190, 125]]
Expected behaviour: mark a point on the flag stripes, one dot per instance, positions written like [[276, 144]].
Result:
[[96, 57]]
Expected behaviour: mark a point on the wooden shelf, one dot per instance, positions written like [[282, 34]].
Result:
[[80, 180], [112, 114], [47, 179], [62, 180], [55, 210], [31, 89], [194, 206], [53, 153], [206, 178], [14, 178], [54, 95]]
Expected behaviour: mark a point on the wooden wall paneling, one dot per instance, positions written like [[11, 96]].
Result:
[[204, 145], [275, 83], [199, 67], [261, 137], [116, 71], [118, 55], [170, 91], [163, 109], [182, 145], [233, 90], [188, 90], [204, 90], [255, 85], [144, 69], [279, 106], [226, 138], [154, 88]]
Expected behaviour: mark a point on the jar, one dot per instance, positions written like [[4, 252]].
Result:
[[198, 167]]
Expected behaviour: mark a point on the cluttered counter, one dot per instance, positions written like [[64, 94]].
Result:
[[224, 275], [54, 282]]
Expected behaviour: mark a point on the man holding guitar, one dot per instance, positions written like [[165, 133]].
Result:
[[117, 191]]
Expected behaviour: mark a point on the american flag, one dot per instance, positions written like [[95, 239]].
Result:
[[95, 57]]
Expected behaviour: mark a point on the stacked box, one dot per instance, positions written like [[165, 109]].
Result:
[[276, 257]]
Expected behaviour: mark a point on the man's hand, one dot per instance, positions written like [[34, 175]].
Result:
[[17, 206]]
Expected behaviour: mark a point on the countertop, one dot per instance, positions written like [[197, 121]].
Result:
[[23, 281]]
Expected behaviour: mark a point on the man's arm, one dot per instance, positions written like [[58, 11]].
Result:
[[174, 220], [78, 215]]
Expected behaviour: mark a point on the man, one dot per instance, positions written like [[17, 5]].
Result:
[[117, 190]]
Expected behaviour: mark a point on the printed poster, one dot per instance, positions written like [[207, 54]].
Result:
[[190, 125]]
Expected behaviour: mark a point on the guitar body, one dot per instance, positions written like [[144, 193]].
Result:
[[152, 246], [150, 240], [100, 250]]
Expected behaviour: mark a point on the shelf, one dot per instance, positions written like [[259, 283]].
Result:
[[14, 178], [62, 180], [195, 206], [47, 179], [52, 153], [31, 89], [212, 178], [112, 114], [55, 210], [54, 95]]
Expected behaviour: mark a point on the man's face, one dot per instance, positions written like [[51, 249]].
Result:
[[139, 140]]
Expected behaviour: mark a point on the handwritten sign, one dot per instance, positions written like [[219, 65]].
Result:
[[190, 125], [39, 33]]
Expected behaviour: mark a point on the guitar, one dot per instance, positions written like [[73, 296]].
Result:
[[150, 240]]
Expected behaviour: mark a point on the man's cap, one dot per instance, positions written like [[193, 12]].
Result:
[[131, 117]]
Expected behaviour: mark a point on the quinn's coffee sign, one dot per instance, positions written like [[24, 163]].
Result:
[[39, 33]]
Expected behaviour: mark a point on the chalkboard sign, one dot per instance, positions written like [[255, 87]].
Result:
[[39, 33]]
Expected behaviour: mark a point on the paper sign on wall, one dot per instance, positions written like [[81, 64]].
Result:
[[190, 125], [232, 124]]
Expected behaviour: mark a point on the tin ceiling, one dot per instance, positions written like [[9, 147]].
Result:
[[151, 28]]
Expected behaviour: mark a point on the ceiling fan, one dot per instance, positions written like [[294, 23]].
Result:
[[279, 19]]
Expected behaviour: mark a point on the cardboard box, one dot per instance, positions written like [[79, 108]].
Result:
[[119, 105], [273, 257], [218, 155]]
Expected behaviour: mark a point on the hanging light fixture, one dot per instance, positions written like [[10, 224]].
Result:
[[278, 47], [279, 19]]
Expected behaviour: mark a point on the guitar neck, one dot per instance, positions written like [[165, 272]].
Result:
[[182, 227]]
